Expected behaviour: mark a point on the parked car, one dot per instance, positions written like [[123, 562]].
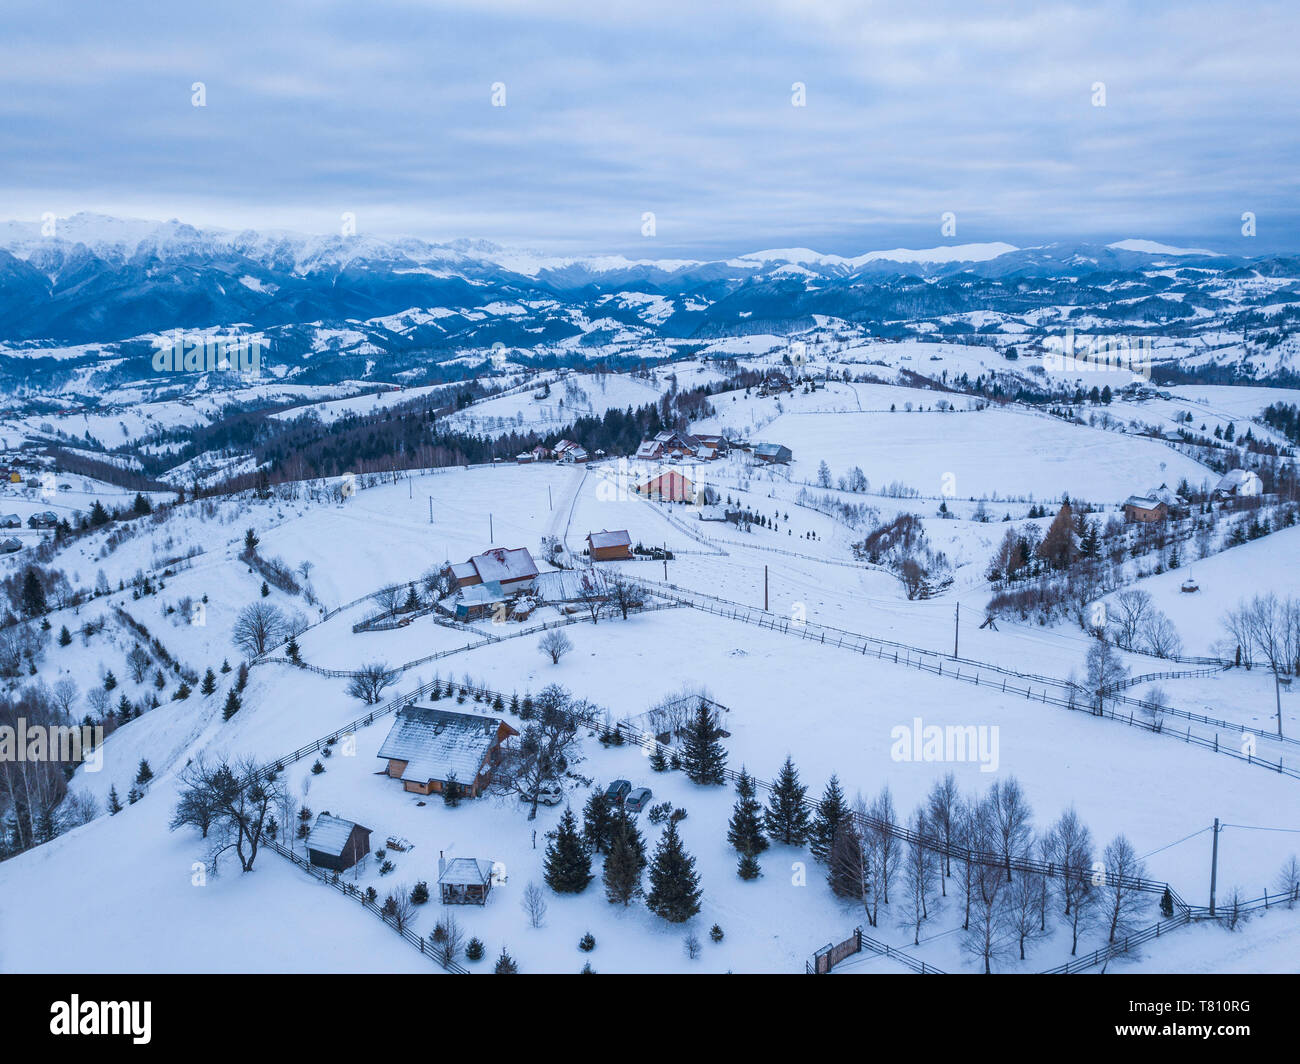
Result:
[[637, 800], [617, 791], [549, 794]]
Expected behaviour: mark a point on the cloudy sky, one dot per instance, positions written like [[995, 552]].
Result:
[[384, 109]]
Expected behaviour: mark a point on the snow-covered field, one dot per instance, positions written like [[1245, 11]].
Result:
[[833, 709]]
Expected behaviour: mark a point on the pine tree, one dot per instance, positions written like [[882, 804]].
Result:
[[626, 861], [846, 873], [266, 589], [748, 868], [65, 637], [597, 822], [110, 681], [451, 792], [674, 884], [241, 680], [568, 861], [250, 541], [114, 802], [209, 682], [232, 706], [145, 773], [292, 650], [225, 666], [702, 754], [745, 831], [1166, 904], [98, 515], [786, 818], [658, 763], [832, 811], [505, 964], [124, 711]]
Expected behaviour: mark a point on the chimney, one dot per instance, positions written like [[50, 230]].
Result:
[[442, 864]]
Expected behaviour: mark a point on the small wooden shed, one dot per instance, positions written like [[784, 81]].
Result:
[[336, 843]]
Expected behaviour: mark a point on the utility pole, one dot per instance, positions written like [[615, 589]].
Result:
[[665, 563], [956, 632], [549, 505], [491, 534], [765, 610], [1214, 864], [430, 509]]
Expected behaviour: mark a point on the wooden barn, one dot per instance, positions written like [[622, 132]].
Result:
[[464, 880], [609, 546], [512, 568], [337, 844], [426, 747], [773, 453], [670, 487], [1145, 510]]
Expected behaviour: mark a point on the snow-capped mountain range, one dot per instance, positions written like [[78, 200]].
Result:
[[97, 285]]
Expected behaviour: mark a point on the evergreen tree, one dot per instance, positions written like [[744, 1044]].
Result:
[[702, 754], [474, 949], [658, 763], [65, 637], [124, 711], [114, 802], [225, 665], [748, 868], [98, 515], [451, 792], [568, 861], [110, 681], [505, 964], [597, 822], [1166, 904], [209, 682], [292, 650], [33, 594], [266, 590], [232, 706], [145, 773], [241, 678], [846, 872], [674, 884], [786, 818], [141, 506], [626, 861], [250, 541], [832, 811], [159, 680], [745, 831]]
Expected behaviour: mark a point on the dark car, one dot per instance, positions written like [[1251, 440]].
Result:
[[637, 800], [617, 791]]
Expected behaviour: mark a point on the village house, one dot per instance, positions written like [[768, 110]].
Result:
[[513, 568], [427, 747], [774, 383], [668, 487], [464, 880], [1240, 484], [11, 521], [773, 453], [11, 546], [480, 600], [574, 454], [45, 519], [609, 546], [337, 844], [1143, 509]]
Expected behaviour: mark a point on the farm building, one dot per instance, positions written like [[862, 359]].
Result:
[[1144, 509], [46, 519], [573, 454], [570, 585], [673, 443], [11, 521], [512, 568], [774, 383], [773, 453], [480, 600], [426, 747], [609, 546], [670, 486], [1239, 483], [11, 546], [464, 880], [336, 843]]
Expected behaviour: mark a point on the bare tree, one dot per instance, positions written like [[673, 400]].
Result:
[[625, 596], [883, 851], [989, 886], [920, 872], [258, 627], [1105, 670], [1023, 915], [555, 644], [390, 599], [1288, 881], [533, 903], [447, 940], [941, 813], [65, 695], [593, 596], [1159, 637], [240, 799], [1011, 832], [137, 663], [398, 909], [548, 745], [99, 700], [1123, 899], [1127, 615], [371, 681]]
